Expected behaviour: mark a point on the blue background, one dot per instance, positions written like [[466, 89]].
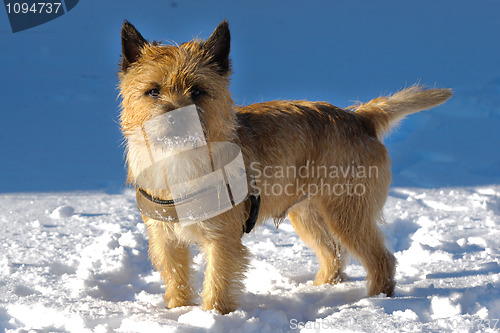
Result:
[[59, 106]]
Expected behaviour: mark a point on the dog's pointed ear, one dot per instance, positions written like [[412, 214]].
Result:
[[132, 43], [218, 46]]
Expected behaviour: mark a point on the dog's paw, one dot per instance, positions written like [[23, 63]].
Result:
[[329, 278], [175, 302], [386, 288], [221, 307]]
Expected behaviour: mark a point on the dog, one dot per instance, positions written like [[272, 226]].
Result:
[[323, 167]]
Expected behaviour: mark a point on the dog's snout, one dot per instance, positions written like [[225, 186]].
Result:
[[171, 107], [174, 105], [174, 101]]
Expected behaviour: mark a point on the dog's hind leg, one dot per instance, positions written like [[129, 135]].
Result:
[[316, 234], [355, 223], [171, 257]]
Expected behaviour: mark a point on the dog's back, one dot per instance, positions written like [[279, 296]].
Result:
[[294, 135]]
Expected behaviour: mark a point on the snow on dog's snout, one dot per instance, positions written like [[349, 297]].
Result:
[[174, 131]]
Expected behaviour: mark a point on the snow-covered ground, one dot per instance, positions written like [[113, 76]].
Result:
[[78, 262], [74, 251]]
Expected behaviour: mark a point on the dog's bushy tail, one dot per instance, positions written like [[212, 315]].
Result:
[[383, 113]]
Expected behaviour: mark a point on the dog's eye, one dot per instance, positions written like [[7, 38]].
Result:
[[197, 92], [154, 92]]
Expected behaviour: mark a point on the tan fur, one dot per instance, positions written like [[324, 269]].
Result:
[[273, 136], [387, 112]]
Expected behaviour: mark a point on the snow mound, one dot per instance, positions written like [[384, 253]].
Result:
[[62, 212]]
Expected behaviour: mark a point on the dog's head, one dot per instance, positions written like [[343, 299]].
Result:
[[156, 79]]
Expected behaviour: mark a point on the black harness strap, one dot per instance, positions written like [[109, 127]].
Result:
[[164, 210], [254, 213]]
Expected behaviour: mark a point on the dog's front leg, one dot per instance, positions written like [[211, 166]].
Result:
[[171, 257], [227, 260]]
